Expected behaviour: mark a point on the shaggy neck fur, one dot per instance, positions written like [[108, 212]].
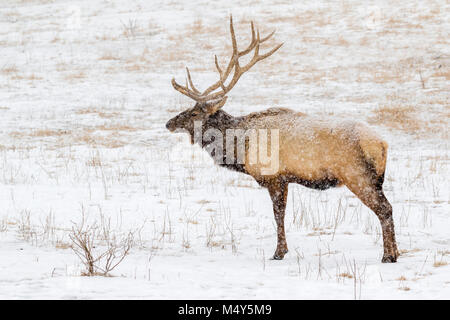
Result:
[[223, 121]]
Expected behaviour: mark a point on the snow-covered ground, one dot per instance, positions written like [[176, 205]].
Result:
[[84, 97]]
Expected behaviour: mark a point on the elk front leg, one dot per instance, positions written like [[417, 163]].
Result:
[[278, 193]]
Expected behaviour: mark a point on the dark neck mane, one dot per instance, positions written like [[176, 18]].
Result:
[[223, 121]]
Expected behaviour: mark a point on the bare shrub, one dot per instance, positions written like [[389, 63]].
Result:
[[99, 257], [130, 28]]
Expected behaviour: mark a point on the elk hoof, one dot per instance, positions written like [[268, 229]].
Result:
[[279, 254], [389, 259]]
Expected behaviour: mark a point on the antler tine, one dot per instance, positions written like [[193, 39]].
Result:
[[185, 91], [256, 52], [233, 37], [238, 70], [208, 94], [257, 57], [270, 52], [268, 37], [220, 72], [235, 55], [193, 94], [190, 82], [231, 63], [252, 43]]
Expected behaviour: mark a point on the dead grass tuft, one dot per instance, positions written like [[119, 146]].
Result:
[[39, 133], [442, 73], [403, 288], [9, 69], [87, 110], [438, 264], [62, 245], [135, 67], [111, 141], [397, 117], [101, 114], [31, 77], [116, 127], [75, 76], [108, 56], [49, 133], [346, 275]]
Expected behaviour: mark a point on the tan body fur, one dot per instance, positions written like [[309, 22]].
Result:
[[314, 149]]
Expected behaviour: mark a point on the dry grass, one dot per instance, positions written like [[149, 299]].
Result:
[[75, 76], [100, 113], [30, 77], [398, 117], [111, 141], [88, 110], [442, 73], [61, 66], [385, 76], [411, 251], [438, 264], [403, 288], [108, 56], [109, 115], [9, 69], [106, 37], [92, 136], [55, 39], [308, 18], [49, 133], [38, 133], [117, 127], [95, 161], [62, 245], [346, 275], [135, 67], [336, 41], [361, 99]]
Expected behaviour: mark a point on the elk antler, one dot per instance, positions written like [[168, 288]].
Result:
[[191, 91]]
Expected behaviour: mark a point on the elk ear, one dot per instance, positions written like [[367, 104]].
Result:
[[214, 105]]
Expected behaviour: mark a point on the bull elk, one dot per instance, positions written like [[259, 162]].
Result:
[[316, 153]]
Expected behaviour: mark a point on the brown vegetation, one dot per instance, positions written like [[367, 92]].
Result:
[[397, 117]]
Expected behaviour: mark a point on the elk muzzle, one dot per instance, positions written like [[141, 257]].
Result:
[[171, 125]]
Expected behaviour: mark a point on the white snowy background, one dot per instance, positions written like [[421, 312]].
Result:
[[84, 97]]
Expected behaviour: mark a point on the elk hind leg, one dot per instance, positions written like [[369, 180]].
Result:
[[370, 192]]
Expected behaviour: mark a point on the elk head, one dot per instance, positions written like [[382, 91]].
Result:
[[210, 101]]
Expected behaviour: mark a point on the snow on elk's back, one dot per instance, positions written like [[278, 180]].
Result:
[[356, 91]]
